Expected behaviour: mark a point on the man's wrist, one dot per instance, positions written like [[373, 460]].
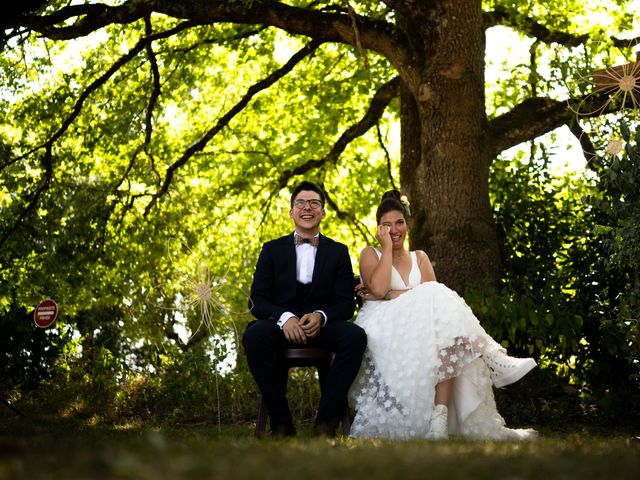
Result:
[[323, 320], [284, 318]]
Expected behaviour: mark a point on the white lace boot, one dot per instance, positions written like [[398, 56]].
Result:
[[439, 426], [506, 370]]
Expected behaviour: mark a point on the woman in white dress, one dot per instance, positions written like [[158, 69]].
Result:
[[429, 367]]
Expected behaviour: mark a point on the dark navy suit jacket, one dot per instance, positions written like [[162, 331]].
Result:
[[274, 289]]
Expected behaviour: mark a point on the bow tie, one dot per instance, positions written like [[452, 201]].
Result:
[[298, 240]]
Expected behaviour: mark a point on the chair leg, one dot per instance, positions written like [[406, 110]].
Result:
[[261, 421]]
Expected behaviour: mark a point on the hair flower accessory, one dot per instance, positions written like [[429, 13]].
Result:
[[405, 201]]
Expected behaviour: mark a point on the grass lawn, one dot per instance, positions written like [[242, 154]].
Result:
[[58, 448]]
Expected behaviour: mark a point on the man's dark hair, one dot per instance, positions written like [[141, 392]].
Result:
[[307, 186]]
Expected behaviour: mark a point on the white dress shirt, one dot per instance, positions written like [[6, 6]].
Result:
[[305, 260]]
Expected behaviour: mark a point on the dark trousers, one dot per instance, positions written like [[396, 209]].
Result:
[[264, 339]]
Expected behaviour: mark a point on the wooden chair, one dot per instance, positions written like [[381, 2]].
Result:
[[319, 358]]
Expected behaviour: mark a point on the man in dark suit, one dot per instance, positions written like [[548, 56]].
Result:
[[302, 294]]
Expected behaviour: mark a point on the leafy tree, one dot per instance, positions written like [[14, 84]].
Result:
[[183, 113]]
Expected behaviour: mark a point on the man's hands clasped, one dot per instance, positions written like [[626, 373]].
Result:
[[300, 330]]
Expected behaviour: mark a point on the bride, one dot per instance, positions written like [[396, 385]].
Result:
[[429, 367]]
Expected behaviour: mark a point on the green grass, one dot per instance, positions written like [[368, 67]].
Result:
[[58, 448]]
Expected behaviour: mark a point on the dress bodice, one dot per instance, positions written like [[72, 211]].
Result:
[[397, 283]]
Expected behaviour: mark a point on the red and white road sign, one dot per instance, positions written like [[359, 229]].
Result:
[[46, 313]]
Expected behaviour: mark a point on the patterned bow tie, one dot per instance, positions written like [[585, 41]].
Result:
[[298, 240]]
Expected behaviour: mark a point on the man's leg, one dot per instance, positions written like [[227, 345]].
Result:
[[262, 341], [348, 341]]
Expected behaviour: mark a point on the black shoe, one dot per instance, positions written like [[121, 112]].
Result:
[[327, 430], [284, 430]]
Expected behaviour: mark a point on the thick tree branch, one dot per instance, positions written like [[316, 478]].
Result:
[[537, 116], [90, 17], [155, 92], [528, 26], [530, 119], [626, 42], [77, 108], [379, 102], [324, 26], [227, 117], [11, 13], [511, 18]]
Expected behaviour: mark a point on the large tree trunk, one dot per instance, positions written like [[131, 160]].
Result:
[[444, 166]]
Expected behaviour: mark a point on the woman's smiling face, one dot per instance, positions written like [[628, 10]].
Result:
[[397, 227]]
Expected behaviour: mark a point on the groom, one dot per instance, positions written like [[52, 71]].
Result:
[[302, 295]]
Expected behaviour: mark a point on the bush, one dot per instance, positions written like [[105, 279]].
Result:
[[616, 212]]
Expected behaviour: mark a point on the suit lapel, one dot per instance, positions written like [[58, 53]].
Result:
[[321, 257], [290, 253]]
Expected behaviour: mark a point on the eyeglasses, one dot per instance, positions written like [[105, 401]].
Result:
[[313, 204]]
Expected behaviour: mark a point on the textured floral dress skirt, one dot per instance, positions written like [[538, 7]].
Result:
[[415, 341]]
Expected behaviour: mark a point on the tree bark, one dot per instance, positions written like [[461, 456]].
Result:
[[445, 165]]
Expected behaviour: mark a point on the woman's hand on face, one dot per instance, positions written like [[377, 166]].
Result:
[[383, 236]]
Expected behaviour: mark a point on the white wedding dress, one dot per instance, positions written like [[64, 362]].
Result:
[[424, 336]]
